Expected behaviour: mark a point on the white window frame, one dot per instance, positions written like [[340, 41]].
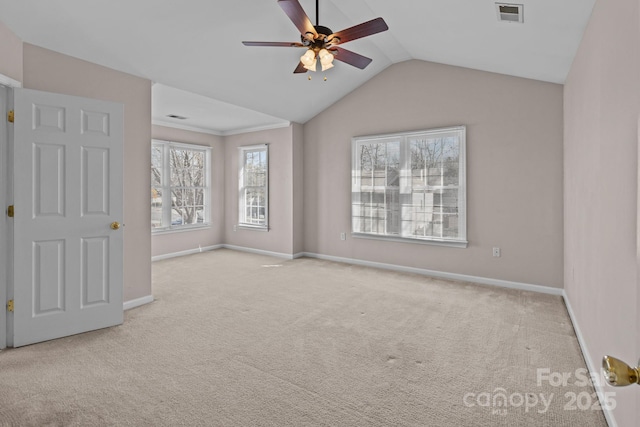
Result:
[[242, 222], [405, 184], [166, 186]]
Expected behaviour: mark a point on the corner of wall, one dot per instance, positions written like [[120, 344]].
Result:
[[11, 54], [298, 187]]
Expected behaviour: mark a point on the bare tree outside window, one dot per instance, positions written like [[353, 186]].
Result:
[[187, 185], [178, 185]]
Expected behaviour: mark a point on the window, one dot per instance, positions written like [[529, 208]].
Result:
[[410, 186], [179, 185], [253, 209]]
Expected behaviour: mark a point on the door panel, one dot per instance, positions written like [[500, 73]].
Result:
[[48, 277], [67, 192], [95, 271], [48, 185], [95, 181]]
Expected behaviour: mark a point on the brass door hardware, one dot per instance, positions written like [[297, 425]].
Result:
[[10, 305], [10, 116], [619, 374], [10, 211], [115, 225]]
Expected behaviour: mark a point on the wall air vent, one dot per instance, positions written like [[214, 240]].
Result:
[[509, 12], [175, 116]]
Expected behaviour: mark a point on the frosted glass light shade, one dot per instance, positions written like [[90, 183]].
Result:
[[309, 60]]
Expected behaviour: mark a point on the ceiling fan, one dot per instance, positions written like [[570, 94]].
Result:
[[322, 43]]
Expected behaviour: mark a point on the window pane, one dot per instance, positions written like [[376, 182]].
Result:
[[377, 207], [435, 161], [409, 185], [198, 196], [253, 187], [156, 207], [156, 165], [199, 214], [254, 203], [178, 184]]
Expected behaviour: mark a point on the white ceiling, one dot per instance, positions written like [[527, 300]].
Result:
[[193, 51]]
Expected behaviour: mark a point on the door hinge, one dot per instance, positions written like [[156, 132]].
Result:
[[10, 211], [11, 116], [10, 305]]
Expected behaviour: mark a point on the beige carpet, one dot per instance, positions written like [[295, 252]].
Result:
[[237, 339]]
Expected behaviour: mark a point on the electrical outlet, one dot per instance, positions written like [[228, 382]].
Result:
[[343, 236], [496, 252], [235, 227]]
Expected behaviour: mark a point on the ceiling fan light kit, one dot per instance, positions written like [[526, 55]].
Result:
[[320, 42]]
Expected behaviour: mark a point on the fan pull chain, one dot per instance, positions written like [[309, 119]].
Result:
[[309, 78]]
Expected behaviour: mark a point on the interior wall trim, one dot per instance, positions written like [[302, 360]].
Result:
[[432, 273], [187, 252], [224, 246], [9, 82], [158, 122], [128, 305], [258, 251], [442, 274], [594, 369]]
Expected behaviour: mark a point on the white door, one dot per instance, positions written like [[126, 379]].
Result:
[[4, 220], [67, 194]]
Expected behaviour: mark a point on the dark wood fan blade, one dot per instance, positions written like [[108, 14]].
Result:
[[361, 30], [300, 69], [275, 44], [351, 58], [296, 13]]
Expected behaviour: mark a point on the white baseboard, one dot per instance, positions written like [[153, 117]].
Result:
[[258, 251], [187, 252], [233, 247], [442, 274], [394, 267], [128, 305], [594, 369]]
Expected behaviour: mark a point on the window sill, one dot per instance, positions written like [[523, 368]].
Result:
[[434, 242], [181, 229], [252, 227]]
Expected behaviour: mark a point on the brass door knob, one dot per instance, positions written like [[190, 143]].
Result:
[[115, 225], [619, 374]]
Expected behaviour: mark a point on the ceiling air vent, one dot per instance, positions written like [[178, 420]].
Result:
[[508, 12], [175, 116]]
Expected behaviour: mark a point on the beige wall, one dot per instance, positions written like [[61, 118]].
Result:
[[53, 72], [279, 238], [602, 103], [167, 243], [514, 169], [10, 53]]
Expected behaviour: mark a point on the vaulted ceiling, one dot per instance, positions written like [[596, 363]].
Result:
[[192, 49]]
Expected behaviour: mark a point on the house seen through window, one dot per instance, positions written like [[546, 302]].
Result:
[[410, 186]]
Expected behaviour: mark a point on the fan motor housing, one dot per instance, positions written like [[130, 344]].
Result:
[[323, 33], [323, 30]]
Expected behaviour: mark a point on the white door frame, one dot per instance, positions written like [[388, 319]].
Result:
[[6, 176]]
